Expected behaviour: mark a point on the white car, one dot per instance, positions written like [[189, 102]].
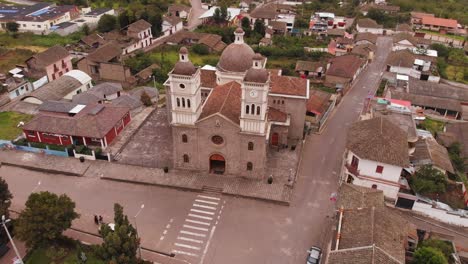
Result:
[[315, 255]]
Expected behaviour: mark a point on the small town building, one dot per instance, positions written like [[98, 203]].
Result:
[[179, 10], [310, 69], [408, 63], [404, 28], [365, 38], [408, 41], [53, 62], [343, 70], [439, 24], [171, 25], [376, 156], [366, 51], [369, 25], [65, 28], [16, 87], [429, 152], [66, 123], [107, 90], [63, 88], [416, 18]]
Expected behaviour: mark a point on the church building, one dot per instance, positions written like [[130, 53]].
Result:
[[229, 128]]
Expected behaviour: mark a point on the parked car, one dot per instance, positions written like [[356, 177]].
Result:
[[315, 255]]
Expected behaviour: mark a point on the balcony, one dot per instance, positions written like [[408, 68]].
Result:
[[352, 169]]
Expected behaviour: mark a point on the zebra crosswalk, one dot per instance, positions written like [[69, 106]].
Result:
[[198, 227]]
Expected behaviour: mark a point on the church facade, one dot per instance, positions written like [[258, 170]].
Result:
[[228, 126]]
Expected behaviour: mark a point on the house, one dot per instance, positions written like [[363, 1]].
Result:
[[314, 69], [442, 100], [213, 42], [65, 123], [336, 32], [366, 51], [369, 25], [439, 24], [367, 230], [340, 46], [178, 10], [416, 18], [365, 38], [407, 41], [107, 90], [233, 15], [417, 66], [105, 64], [139, 30], [65, 28], [274, 12], [376, 155], [63, 88], [171, 24], [39, 18], [429, 152], [343, 70], [53, 62], [16, 87], [404, 28], [146, 74], [278, 27], [318, 108]]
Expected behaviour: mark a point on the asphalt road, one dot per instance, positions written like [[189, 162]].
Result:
[[206, 228]]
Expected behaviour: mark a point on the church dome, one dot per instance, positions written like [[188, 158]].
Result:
[[184, 68], [237, 57]]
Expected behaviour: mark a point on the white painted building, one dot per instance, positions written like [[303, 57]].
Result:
[[171, 25], [377, 153]]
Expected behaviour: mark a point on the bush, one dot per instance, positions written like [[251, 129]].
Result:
[[98, 151], [145, 99], [38, 145], [56, 253], [444, 246], [83, 150], [429, 255], [200, 49], [428, 180], [21, 142]]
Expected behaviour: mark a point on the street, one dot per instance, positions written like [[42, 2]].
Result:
[[208, 228]]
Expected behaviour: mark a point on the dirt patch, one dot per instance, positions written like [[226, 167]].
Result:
[[10, 58]]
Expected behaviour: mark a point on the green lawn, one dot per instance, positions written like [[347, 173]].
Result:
[[8, 123], [171, 56], [30, 39], [39, 256], [432, 125]]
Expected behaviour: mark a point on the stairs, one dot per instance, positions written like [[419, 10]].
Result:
[[212, 190]]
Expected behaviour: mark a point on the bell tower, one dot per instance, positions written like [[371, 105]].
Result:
[[185, 91], [255, 97]]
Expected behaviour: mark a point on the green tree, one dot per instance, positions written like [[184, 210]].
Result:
[[217, 16], [146, 99], [156, 21], [12, 27], [123, 19], [458, 161], [428, 180], [442, 50], [85, 29], [107, 23], [245, 24], [224, 13], [5, 198], [444, 246], [120, 245], [429, 255], [45, 218], [259, 27], [200, 49]]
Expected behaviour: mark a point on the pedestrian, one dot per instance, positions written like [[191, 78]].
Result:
[[100, 219], [96, 220]]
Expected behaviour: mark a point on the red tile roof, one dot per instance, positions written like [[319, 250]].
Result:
[[288, 85], [441, 22], [226, 100], [93, 121], [276, 115], [344, 66], [318, 102]]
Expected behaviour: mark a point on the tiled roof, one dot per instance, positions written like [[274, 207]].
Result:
[[318, 101], [371, 235], [276, 115], [178, 8], [288, 85], [441, 22], [278, 25], [428, 151], [428, 101], [401, 58], [225, 100], [404, 27], [366, 36], [105, 53], [345, 66], [56, 89], [127, 101], [368, 23], [150, 91], [266, 11], [352, 196], [92, 39], [208, 78], [364, 49], [455, 132], [87, 98], [139, 26], [420, 15], [438, 90], [310, 66], [213, 41], [378, 139], [57, 106], [85, 123], [173, 20], [50, 56], [106, 88], [336, 32]]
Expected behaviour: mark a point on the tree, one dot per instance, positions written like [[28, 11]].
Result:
[[429, 255], [458, 161], [245, 24], [224, 13], [428, 180], [217, 16], [12, 27], [200, 49], [443, 246], [107, 23], [259, 27], [156, 21], [146, 99], [120, 245], [85, 29], [123, 19], [5, 198], [45, 218]]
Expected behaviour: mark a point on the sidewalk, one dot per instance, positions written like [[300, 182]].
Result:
[[277, 192]]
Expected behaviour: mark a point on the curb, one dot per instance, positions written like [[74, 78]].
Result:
[[50, 171], [198, 190]]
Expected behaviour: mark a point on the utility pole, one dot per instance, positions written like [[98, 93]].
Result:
[[136, 229], [4, 221]]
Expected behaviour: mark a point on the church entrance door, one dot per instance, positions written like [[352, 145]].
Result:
[[217, 164], [274, 139]]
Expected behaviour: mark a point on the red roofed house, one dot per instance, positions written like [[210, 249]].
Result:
[[53, 62], [224, 120], [343, 70], [65, 123], [438, 24]]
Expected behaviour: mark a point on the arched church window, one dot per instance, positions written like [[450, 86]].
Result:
[[188, 103], [184, 138], [183, 102], [250, 146], [178, 102], [258, 110], [247, 109], [186, 158], [249, 166]]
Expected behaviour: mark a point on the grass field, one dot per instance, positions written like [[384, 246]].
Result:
[[39, 256], [8, 123], [7, 40], [9, 58]]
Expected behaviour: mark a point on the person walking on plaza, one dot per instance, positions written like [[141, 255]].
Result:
[[100, 219], [96, 220]]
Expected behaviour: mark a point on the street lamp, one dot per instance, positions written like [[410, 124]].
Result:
[[136, 228], [37, 186], [4, 221]]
